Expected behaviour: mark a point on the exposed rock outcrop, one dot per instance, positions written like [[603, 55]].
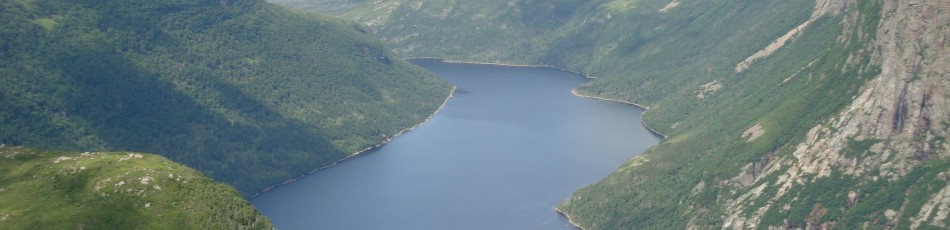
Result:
[[904, 109], [822, 8]]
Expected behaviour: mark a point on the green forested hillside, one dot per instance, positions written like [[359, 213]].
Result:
[[688, 180], [246, 92], [780, 114], [640, 53], [114, 190]]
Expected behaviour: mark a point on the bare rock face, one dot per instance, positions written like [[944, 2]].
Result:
[[903, 115], [822, 8]]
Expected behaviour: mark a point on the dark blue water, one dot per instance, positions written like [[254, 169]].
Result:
[[502, 153]]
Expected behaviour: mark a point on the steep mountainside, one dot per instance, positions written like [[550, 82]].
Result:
[[114, 190], [882, 161], [246, 92], [788, 114]]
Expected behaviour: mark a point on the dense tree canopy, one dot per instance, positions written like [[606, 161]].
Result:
[[249, 93]]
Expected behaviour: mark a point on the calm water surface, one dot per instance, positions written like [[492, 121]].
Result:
[[511, 145]]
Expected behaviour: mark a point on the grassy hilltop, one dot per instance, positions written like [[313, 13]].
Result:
[[114, 190]]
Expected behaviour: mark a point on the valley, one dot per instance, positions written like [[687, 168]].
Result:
[[820, 114], [779, 114]]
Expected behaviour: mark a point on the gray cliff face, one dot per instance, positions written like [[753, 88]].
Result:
[[893, 132]]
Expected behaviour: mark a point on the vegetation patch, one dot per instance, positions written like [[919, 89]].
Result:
[[47, 23], [858, 149], [122, 190]]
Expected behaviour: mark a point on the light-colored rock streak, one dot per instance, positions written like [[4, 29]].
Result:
[[822, 7], [939, 202], [670, 6]]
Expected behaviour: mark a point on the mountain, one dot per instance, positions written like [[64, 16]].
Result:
[[248, 93], [114, 190], [778, 114]]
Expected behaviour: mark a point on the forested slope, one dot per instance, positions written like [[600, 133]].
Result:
[[246, 92], [788, 114], [114, 190]]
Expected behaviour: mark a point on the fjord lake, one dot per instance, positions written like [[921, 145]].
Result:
[[511, 144]]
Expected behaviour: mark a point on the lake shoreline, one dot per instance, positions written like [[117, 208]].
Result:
[[569, 220], [358, 153], [645, 108], [459, 129], [573, 91], [498, 64]]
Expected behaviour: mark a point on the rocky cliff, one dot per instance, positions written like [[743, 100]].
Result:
[[893, 134]]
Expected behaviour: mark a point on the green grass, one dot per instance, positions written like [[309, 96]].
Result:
[[47, 23], [114, 190], [859, 148]]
